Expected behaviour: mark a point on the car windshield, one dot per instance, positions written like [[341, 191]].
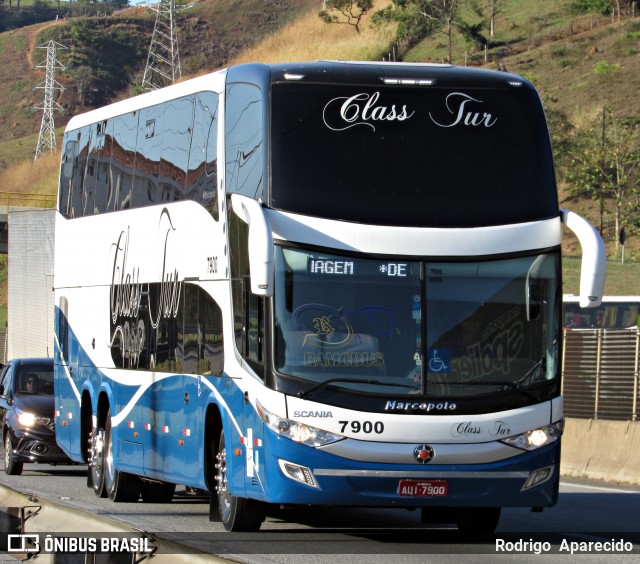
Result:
[[35, 379], [437, 329]]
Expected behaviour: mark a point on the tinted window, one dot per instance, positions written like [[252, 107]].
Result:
[[163, 153], [148, 147], [443, 157], [103, 175], [203, 160], [173, 330], [244, 140], [79, 171], [35, 379], [67, 170], [201, 333], [176, 139], [123, 153]]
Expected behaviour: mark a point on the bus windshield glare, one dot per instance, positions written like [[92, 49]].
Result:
[[467, 329]]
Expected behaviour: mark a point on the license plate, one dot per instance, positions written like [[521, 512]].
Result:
[[422, 488]]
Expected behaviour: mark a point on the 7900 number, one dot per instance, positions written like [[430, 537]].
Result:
[[367, 427]]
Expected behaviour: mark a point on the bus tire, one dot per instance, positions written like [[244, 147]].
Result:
[[157, 492], [478, 520], [120, 486], [95, 475], [236, 513]]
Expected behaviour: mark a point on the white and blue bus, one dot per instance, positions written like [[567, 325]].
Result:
[[318, 283]]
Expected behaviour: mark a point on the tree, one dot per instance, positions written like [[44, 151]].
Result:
[[419, 18], [606, 165], [348, 12], [493, 8]]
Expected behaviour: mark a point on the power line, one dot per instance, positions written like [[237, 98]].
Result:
[[47, 136], [163, 61]]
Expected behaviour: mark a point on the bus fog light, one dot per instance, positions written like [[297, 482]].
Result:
[[538, 477], [298, 473]]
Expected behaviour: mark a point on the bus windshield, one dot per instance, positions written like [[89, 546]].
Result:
[[438, 329], [444, 157]]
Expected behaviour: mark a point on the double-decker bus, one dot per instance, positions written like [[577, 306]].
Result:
[[324, 283]]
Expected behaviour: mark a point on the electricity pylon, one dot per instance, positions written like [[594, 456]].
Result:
[[163, 61], [47, 136]]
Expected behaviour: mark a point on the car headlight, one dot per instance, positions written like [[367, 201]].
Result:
[[298, 432], [25, 418], [536, 438]]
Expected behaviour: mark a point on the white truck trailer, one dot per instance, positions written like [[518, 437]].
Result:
[[30, 283]]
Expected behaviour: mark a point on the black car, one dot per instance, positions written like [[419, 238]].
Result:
[[27, 414]]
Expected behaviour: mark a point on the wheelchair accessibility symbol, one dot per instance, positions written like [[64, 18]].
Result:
[[439, 361]]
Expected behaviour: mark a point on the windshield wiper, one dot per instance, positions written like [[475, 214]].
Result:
[[304, 393]]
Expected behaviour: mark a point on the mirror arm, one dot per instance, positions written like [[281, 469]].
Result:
[[260, 243], [594, 258]]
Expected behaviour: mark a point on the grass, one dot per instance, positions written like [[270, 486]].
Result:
[[31, 183], [308, 38], [622, 279]]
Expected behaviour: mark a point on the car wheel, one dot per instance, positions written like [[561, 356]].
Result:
[[11, 466], [236, 513]]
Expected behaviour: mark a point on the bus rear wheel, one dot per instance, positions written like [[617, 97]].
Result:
[[236, 513], [96, 462], [120, 486]]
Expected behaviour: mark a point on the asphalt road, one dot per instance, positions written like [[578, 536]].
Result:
[[585, 513]]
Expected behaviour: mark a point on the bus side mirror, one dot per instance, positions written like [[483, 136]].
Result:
[[260, 243], [594, 259]]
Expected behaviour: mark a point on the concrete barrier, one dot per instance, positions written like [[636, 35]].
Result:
[[597, 449], [41, 517]]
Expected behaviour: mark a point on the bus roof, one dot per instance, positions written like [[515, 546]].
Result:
[[350, 72]]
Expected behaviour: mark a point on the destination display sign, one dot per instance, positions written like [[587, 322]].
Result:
[[354, 268]]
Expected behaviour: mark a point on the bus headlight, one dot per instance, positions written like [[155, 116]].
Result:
[[298, 432], [536, 438]]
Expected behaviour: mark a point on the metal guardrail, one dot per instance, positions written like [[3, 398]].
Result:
[[19, 199], [600, 370]]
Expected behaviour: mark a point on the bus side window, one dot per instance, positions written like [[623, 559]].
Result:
[[67, 170], [201, 335], [176, 139], [77, 195], [254, 323], [203, 158], [123, 152], [148, 145], [244, 139], [103, 177]]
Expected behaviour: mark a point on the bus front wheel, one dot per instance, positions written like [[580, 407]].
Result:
[[236, 513]]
